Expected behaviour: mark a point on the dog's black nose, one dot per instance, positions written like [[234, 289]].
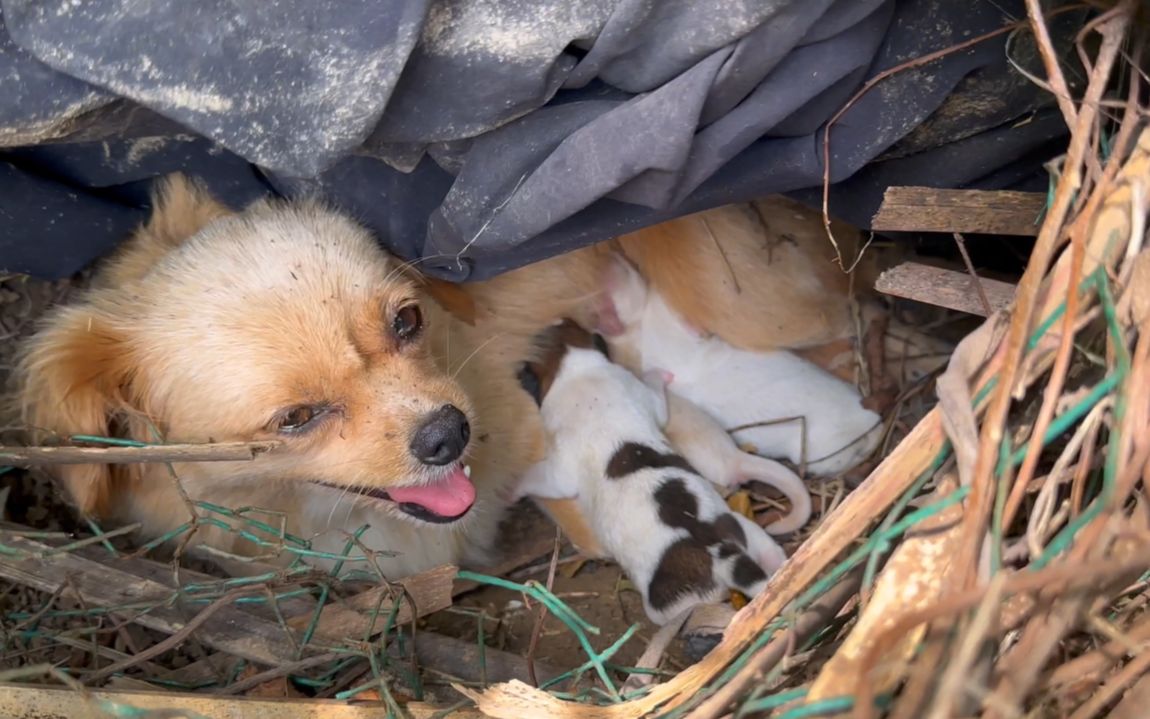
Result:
[[442, 437]]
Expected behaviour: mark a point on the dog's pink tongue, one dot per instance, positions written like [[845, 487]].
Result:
[[449, 497]]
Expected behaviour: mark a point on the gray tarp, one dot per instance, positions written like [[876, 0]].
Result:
[[485, 134]]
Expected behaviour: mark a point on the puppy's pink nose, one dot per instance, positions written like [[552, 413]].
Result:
[[442, 437]]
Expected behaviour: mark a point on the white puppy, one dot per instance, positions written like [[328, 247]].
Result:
[[739, 387], [666, 526]]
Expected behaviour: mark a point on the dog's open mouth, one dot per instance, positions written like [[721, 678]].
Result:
[[442, 501]]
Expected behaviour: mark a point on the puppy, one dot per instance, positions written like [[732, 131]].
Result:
[[666, 525], [736, 386], [283, 322]]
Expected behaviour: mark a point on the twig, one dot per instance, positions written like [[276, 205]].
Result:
[[1057, 80], [222, 452], [1073, 577], [173, 641], [276, 672], [974, 280], [1134, 702], [979, 505], [541, 610], [949, 697], [1137, 666], [814, 618]]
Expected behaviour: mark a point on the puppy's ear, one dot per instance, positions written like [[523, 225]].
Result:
[[623, 298], [70, 378]]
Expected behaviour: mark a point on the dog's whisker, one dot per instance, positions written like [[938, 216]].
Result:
[[489, 340], [335, 506]]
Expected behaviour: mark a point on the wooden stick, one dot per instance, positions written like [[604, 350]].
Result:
[[1133, 705], [22, 701], [974, 278], [176, 639], [221, 452], [243, 631], [944, 288], [926, 209]]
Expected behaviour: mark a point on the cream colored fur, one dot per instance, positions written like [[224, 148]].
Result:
[[208, 323]]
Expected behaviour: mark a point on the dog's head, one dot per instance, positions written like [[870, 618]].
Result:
[[281, 322]]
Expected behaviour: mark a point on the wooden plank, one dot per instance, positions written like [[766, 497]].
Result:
[[457, 658], [926, 209], [944, 288], [34, 702]]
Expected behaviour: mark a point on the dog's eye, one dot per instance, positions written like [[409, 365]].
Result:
[[297, 418], [407, 323]]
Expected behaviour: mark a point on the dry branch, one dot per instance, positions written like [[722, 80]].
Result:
[[221, 452]]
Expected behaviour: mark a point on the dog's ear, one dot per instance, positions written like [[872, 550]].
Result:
[[451, 297], [623, 298], [455, 300], [71, 376]]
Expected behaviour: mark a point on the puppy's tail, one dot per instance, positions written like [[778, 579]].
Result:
[[767, 471]]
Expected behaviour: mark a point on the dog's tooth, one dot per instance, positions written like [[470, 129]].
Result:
[[467, 471]]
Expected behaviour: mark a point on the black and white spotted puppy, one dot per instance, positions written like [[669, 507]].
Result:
[[668, 528]]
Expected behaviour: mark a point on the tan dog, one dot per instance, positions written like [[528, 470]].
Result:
[[288, 322]]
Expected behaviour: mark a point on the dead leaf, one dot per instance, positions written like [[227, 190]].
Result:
[[955, 398], [740, 502], [570, 570]]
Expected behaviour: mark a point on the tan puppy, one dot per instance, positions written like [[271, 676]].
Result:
[[289, 323]]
